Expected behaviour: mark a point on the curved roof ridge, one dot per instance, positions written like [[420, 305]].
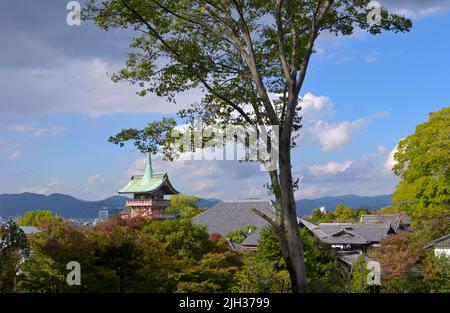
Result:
[[246, 200]]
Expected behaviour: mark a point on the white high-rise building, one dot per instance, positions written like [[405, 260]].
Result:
[[103, 215]]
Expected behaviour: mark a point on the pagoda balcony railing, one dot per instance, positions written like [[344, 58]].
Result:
[[147, 202]]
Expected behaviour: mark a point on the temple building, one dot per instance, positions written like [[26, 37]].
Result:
[[148, 192]]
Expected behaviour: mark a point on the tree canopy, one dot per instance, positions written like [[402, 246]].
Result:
[[37, 218], [423, 164], [249, 59], [14, 249], [246, 56]]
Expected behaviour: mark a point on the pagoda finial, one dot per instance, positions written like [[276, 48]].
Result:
[[148, 175]]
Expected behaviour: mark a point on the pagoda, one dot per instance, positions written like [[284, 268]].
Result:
[[148, 193]]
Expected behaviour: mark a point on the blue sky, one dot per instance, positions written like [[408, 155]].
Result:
[[58, 107]]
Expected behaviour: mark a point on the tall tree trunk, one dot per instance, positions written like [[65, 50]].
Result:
[[296, 263]]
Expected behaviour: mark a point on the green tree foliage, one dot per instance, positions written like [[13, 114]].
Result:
[[408, 283], [433, 228], [41, 274], [180, 238], [214, 272], [423, 164], [238, 53], [436, 272], [239, 235], [9, 265], [37, 218], [340, 215], [258, 275], [184, 206], [325, 273], [115, 250], [60, 244], [13, 239], [14, 249], [269, 249], [130, 256], [358, 282]]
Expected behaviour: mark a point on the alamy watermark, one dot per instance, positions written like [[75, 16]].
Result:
[[374, 13], [73, 18], [374, 276], [73, 278], [229, 142]]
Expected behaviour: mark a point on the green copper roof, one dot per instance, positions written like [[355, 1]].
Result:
[[141, 183], [148, 182]]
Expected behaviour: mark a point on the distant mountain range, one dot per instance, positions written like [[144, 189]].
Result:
[[70, 207], [64, 205], [306, 206]]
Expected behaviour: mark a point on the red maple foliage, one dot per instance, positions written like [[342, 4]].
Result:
[[397, 254], [214, 236]]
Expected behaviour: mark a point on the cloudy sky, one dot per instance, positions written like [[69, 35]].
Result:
[[58, 107]]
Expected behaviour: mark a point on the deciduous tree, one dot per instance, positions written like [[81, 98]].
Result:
[[37, 218], [423, 164], [250, 59], [397, 254]]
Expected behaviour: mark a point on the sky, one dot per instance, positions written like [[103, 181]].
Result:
[[58, 107]]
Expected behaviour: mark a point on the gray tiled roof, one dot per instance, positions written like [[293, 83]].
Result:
[[443, 242], [228, 216], [396, 220], [315, 229], [350, 257], [348, 233], [252, 239]]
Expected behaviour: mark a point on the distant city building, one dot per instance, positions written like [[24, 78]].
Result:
[[103, 215], [323, 210], [148, 192]]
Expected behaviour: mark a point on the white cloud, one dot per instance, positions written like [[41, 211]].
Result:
[[314, 106], [204, 185], [44, 189], [331, 135], [253, 192], [81, 86], [92, 186], [37, 131], [390, 161], [417, 8], [316, 110], [14, 156], [91, 181], [52, 131], [329, 168], [19, 128], [9, 149], [372, 57], [334, 136], [311, 192], [372, 166], [367, 175]]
